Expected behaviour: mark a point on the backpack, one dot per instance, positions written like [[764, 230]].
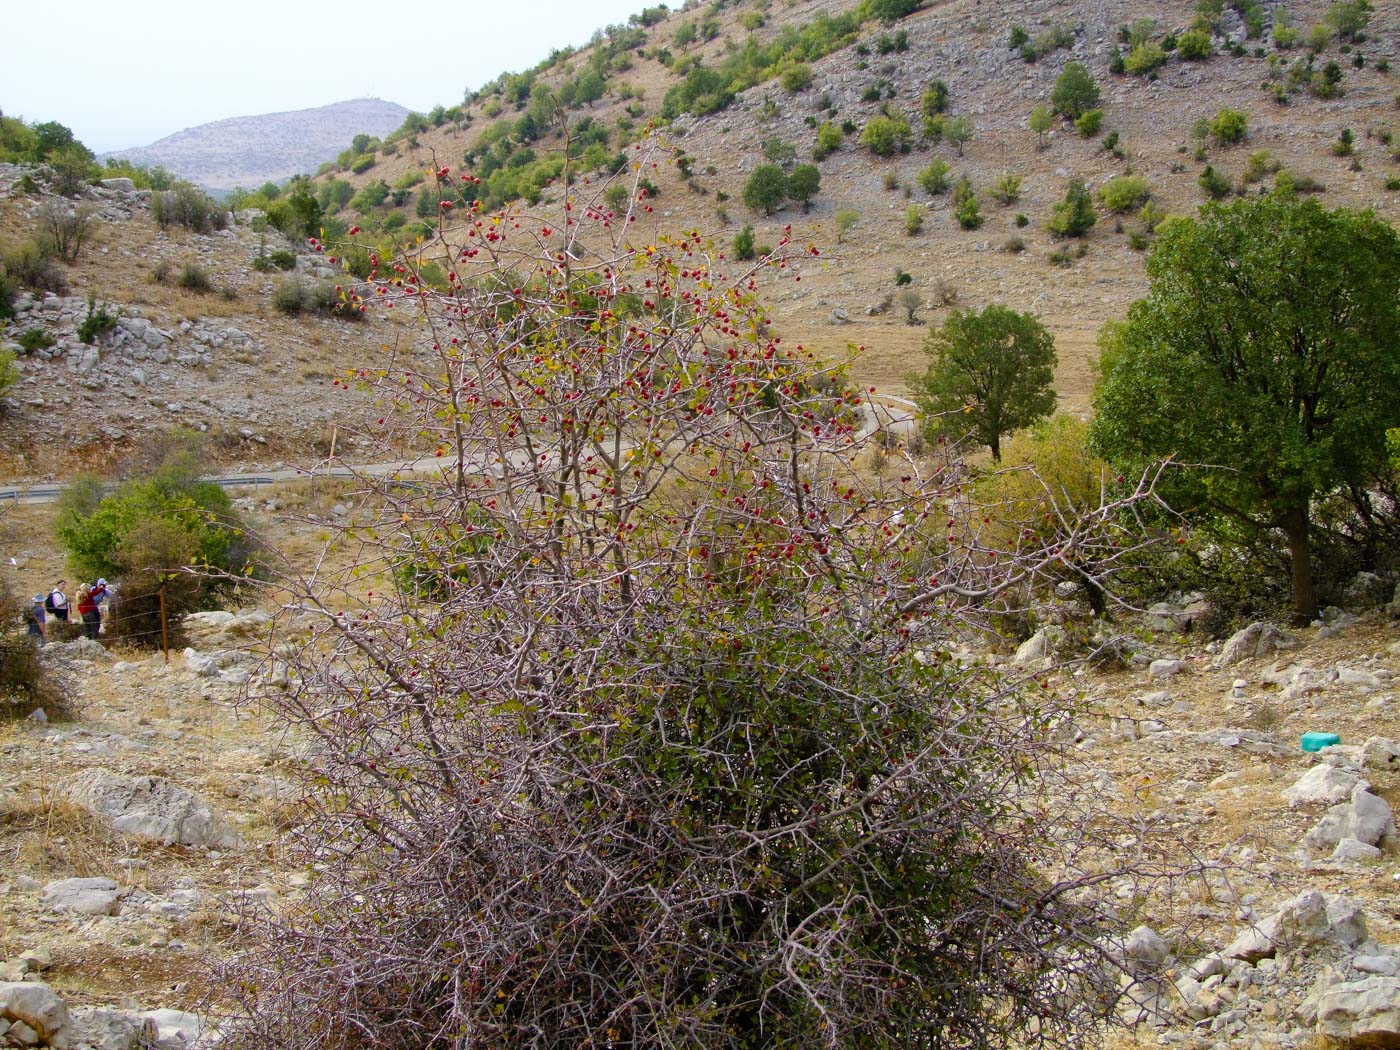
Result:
[[49, 603]]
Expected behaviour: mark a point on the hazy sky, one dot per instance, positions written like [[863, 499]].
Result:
[[126, 74]]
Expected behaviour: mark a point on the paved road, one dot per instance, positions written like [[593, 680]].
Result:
[[47, 492], [894, 413]]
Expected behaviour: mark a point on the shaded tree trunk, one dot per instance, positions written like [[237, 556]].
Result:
[[1294, 521]]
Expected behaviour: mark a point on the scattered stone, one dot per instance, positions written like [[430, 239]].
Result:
[[1361, 1013], [1353, 851], [83, 896], [1309, 918], [1379, 752], [149, 808], [35, 1005], [1164, 668], [1322, 783], [1384, 965], [1037, 648], [1145, 950], [176, 1025], [103, 1029], [1256, 640]]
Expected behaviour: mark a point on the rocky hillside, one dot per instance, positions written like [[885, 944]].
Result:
[[1149, 129], [194, 341], [279, 385], [248, 151]]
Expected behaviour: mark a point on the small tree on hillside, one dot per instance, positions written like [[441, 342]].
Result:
[[803, 184], [884, 135], [958, 132], [1268, 347], [887, 11], [1040, 122], [766, 189], [1075, 91], [846, 220], [1075, 215], [989, 373]]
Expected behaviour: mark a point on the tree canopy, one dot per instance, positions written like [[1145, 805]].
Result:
[[1269, 348], [766, 189], [1075, 91], [990, 372]]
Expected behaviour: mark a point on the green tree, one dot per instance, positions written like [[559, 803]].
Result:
[[958, 131], [887, 10], [934, 178], [1075, 91], [884, 135], [829, 139], [846, 220], [9, 373], [780, 152], [989, 373], [1040, 121], [934, 101], [50, 137], [1089, 122], [1194, 45], [1228, 127], [766, 189], [1349, 18], [803, 184], [968, 212], [161, 529], [743, 243], [1269, 347], [1144, 58], [1075, 215], [589, 88]]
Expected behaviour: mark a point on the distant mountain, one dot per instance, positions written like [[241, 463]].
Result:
[[248, 151]]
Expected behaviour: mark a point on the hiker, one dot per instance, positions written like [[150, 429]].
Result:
[[34, 619], [99, 593], [87, 609], [56, 604]]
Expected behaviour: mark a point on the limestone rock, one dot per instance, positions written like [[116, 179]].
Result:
[[1310, 918], [103, 1029], [1145, 950], [1361, 1013], [1258, 639], [1036, 648], [177, 1026], [1322, 783], [1380, 752], [1371, 819], [82, 896], [1351, 850], [35, 1005], [149, 808]]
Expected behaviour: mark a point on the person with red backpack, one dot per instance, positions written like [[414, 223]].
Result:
[[87, 609]]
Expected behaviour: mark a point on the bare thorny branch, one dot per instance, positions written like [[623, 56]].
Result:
[[639, 728]]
